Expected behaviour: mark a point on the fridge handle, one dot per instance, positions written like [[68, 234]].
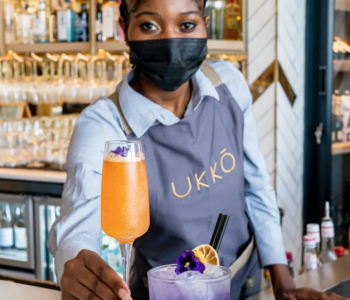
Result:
[[323, 80]]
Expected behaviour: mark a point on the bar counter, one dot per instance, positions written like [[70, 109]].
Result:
[[327, 277]]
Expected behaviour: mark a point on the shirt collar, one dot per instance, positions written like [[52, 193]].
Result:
[[141, 113]]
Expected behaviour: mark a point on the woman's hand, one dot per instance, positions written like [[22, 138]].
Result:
[[284, 287], [306, 294], [89, 277]]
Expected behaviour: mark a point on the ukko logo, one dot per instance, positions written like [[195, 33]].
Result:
[[230, 164]]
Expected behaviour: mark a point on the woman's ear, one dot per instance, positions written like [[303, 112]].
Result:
[[206, 21], [122, 24]]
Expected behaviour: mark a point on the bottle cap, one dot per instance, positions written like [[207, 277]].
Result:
[[339, 251], [289, 256], [327, 229], [309, 241], [313, 230]]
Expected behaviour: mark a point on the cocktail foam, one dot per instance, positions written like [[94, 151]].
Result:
[[118, 158]]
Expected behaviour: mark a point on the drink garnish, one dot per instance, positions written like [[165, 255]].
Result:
[[207, 255], [122, 151], [187, 261]]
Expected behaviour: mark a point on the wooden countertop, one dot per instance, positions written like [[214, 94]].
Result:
[[322, 279], [15, 291]]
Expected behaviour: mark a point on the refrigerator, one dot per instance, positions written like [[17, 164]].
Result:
[[327, 114], [17, 232], [46, 211]]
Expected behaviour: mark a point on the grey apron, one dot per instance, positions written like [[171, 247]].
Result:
[[195, 171]]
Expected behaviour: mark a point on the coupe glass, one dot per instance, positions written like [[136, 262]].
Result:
[[125, 212]]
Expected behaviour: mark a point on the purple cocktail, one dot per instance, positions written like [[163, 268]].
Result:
[[214, 284]]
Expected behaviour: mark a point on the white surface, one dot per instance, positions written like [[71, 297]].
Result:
[[14, 291], [33, 175]]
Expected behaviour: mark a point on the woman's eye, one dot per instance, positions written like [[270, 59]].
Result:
[[149, 27], [188, 26]]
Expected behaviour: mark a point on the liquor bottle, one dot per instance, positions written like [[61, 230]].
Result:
[[314, 230], [9, 22], [215, 9], [53, 23], [24, 25], [41, 24], [337, 122], [66, 23], [110, 19], [6, 229], [20, 229], [82, 25], [233, 21], [327, 235], [98, 27], [310, 256]]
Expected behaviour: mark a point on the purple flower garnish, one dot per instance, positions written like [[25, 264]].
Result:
[[122, 151], [188, 262]]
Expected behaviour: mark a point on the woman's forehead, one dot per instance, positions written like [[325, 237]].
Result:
[[134, 5]]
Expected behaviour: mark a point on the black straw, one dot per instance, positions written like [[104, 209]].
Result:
[[219, 231]]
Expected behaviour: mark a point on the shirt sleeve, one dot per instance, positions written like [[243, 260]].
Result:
[[260, 197], [79, 225]]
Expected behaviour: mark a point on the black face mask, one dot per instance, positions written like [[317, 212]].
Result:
[[168, 63]]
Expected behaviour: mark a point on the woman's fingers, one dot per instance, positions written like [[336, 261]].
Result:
[[105, 273], [81, 292], [67, 296], [97, 286]]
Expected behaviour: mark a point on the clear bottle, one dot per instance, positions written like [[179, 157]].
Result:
[[215, 9], [41, 24], [24, 25], [53, 23], [110, 21], [310, 256], [6, 228], [66, 23], [233, 21], [9, 22], [327, 238], [20, 229], [314, 230], [98, 27], [82, 24]]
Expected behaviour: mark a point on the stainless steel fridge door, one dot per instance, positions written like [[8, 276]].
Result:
[[46, 211], [21, 254]]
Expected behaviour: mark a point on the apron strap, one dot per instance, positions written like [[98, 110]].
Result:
[[211, 74], [243, 259], [115, 98]]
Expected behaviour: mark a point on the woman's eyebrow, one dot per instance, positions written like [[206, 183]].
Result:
[[193, 12], [147, 13]]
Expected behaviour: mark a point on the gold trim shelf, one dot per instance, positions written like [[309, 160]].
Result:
[[341, 148], [49, 47], [343, 5]]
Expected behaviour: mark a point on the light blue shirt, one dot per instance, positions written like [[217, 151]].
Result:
[[79, 226]]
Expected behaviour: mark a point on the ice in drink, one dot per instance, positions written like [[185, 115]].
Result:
[[124, 197], [213, 284]]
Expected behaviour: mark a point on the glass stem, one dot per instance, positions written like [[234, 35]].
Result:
[[125, 250]]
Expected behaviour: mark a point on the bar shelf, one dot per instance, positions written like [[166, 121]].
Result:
[[343, 5], [341, 148], [49, 47]]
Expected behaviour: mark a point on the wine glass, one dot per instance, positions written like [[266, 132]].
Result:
[[125, 212]]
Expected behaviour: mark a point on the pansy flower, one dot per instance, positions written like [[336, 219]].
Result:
[[122, 151], [187, 261]]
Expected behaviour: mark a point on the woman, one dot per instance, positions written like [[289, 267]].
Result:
[[202, 159]]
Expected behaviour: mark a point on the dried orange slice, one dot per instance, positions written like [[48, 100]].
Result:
[[208, 253]]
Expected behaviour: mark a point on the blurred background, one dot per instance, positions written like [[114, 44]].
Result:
[[57, 57]]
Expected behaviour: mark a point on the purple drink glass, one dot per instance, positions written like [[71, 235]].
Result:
[[163, 283]]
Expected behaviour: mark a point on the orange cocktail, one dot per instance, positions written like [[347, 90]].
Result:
[[124, 199], [125, 212]]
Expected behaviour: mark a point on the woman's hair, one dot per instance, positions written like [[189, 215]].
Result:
[[125, 11]]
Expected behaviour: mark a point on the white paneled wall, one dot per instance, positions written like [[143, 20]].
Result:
[[283, 136]]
